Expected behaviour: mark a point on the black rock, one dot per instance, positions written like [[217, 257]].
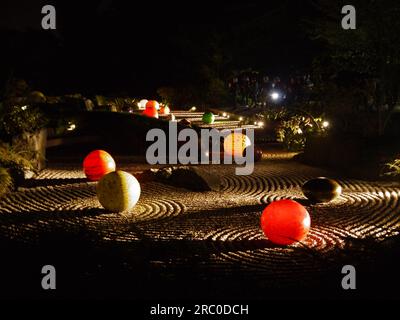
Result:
[[321, 190], [185, 122], [188, 177], [195, 179]]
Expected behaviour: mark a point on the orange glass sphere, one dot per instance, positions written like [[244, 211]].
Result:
[[285, 222], [150, 112], [97, 164], [152, 104]]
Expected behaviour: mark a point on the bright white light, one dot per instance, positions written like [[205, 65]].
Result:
[[261, 124], [228, 117], [299, 131], [240, 118], [24, 108], [224, 114], [71, 127], [193, 109], [325, 124], [275, 95], [255, 123]]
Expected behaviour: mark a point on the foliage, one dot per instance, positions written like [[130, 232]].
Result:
[[118, 104], [358, 76], [14, 161], [16, 120], [393, 168], [125, 104], [15, 88], [182, 96], [100, 100], [17, 156], [295, 127], [274, 113], [291, 132], [6, 182]]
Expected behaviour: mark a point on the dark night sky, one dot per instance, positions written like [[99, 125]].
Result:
[[116, 45]]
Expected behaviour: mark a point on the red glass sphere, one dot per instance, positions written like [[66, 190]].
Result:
[[152, 104], [97, 164], [285, 222], [150, 112]]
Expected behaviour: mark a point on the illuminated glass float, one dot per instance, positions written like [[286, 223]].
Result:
[[153, 104], [118, 191], [235, 144], [285, 222], [208, 118], [150, 112], [97, 164]]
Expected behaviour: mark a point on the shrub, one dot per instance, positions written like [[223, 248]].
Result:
[[16, 120], [6, 182], [294, 130], [15, 160], [274, 113], [392, 168]]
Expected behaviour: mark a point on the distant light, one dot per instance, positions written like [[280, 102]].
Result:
[[71, 127], [228, 117], [240, 118], [299, 131], [24, 108], [275, 95], [325, 124], [224, 114], [255, 123], [193, 109], [261, 124]]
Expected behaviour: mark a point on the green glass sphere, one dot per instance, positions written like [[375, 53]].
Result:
[[208, 118], [321, 190]]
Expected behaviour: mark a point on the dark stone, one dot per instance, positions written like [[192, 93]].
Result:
[[185, 122], [191, 178], [195, 179], [258, 153], [321, 190]]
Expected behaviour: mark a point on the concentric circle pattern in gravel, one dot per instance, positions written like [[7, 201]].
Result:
[[216, 231]]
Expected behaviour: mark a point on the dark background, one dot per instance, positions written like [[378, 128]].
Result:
[[121, 47]]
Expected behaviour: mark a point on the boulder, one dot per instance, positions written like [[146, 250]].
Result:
[[195, 179], [188, 177]]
